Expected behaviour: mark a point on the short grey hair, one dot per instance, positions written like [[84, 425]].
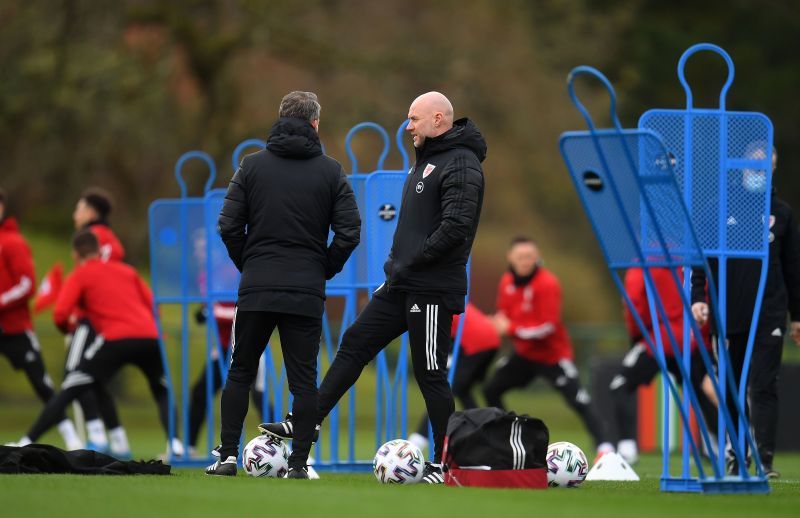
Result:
[[301, 105]]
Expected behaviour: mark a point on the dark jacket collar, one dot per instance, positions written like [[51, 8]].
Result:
[[464, 134], [294, 138], [520, 280]]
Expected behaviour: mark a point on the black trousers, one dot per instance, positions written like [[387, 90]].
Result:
[[639, 368], [518, 372], [24, 353], [98, 364], [199, 399], [300, 336], [97, 401], [470, 370], [389, 314], [761, 403]]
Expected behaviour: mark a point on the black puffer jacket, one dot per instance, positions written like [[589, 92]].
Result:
[[439, 214], [279, 208], [782, 289]]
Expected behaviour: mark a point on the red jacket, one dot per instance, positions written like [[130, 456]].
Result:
[[114, 298], [110, 247], [479, 333], [223, 314], [535, 314], [671, 300], [17, 279]]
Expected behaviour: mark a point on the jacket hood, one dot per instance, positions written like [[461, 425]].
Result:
[[463, 134], [294, 138]]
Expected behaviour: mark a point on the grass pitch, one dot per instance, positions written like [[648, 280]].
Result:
[[190, 493]]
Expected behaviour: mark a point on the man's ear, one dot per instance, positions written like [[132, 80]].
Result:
[[315, 124]]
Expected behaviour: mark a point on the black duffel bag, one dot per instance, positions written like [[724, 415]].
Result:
[[491, 438]]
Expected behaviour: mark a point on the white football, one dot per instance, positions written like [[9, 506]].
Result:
[[398, 462], [265, 456], [566, 465]]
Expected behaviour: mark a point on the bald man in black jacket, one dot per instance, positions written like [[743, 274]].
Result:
[[426, 273], [279, 208]]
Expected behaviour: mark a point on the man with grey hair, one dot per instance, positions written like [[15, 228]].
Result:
[[426, 276], [280, 206]]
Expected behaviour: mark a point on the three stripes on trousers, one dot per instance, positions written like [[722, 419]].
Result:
[[431, 330]]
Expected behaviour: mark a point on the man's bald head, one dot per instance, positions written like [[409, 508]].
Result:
[[430, 115]]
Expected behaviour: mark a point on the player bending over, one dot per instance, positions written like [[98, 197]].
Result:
[[639, 367], [529, 311], [92, 213], [120, 307]]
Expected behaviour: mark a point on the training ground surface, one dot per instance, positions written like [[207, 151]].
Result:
[[188, 492]]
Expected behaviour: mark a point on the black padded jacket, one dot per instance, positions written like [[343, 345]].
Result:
[[782, 290], [439, 214], [278, 211]]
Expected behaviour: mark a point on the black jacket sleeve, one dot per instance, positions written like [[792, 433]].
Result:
[[346, 226], [699, 286], [233, 218], [461, 195], [790, 262]]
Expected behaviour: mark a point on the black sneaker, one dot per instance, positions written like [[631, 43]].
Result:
[[297, 473], [771, 472], [284, 429], [223, 468], [432, 474]]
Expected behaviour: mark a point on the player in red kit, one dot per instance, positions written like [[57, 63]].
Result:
[[120, 307], [92, 212], [529, 311], [18, 343], [639, 366]]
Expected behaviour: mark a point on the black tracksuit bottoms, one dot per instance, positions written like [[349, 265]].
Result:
[[762, 387], [97, 365], [96, 402], [300, 336], [427, 318]]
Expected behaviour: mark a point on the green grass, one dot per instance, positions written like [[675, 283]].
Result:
[[190, 493], [187, 492]]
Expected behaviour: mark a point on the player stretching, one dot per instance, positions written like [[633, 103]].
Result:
[[529, 311], [639, 367], [92, 212], [17, 341], [426, 274], [120, 306]]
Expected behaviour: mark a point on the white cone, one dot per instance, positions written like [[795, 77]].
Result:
[[612, 466]]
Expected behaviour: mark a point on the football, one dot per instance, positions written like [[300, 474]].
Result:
[[398, 462], [566, 465], [265, 456]]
